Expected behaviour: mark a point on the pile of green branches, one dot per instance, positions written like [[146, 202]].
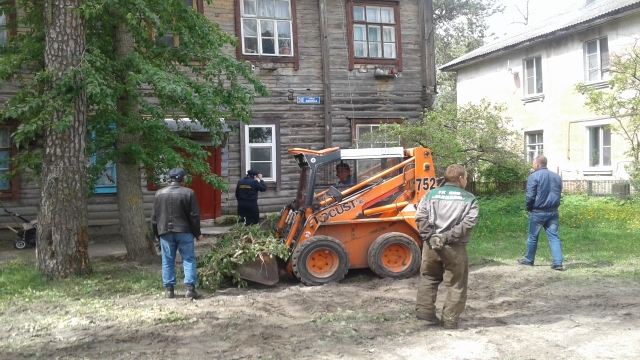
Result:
[[241, 244]]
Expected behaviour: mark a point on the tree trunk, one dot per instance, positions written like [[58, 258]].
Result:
[[133, 224], [62, 217]]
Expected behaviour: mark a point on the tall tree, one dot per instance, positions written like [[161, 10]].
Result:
[[62, 216], [145, 61], [621, 102], [133, 224], [461, 27]]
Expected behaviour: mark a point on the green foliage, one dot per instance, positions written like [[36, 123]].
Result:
[[621, 102], [508, 171], [238, 246], [198, 81], [593, 231], [460, 28], [475, 135]]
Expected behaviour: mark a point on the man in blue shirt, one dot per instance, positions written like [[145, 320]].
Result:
[[543, 199]]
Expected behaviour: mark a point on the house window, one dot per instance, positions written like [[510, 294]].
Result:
[[260, 147], [365, 133], [599, 146], [596, 60], [267, 27], [533, 145], [3, 30], [533, 76], [172, 41], [374, 32], [8, 188], [5, 156], [106, 183]]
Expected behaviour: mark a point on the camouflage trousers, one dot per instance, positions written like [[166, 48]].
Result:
[[451, 265]]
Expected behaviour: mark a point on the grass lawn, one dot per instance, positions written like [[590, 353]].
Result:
[[594, 232]]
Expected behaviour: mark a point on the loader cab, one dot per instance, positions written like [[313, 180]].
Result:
[[320, 172]]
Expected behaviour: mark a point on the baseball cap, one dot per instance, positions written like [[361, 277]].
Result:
[[252, 173], [177, 174]]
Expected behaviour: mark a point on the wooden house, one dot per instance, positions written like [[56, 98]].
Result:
[[335, 69]]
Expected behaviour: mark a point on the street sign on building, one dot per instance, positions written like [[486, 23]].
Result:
[[308, 100]]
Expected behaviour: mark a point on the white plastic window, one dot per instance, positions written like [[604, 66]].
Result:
[[533, 76], [599, 146], [260, 145], [596, 60]]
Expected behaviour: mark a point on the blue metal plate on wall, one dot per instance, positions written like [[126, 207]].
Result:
[[308, 100]]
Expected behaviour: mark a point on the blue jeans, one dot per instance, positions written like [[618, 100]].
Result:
[[184, 243], [548, 221]]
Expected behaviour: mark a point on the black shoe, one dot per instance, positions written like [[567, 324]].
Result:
[[191, 292], [524, 262], [169, 292], [557, 267]]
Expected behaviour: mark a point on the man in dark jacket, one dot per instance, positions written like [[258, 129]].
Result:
[[247, 195], [176, 223], [543, 199], [445, 217]]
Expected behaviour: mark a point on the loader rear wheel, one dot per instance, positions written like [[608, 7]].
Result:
[[394, 255], [320, 260]]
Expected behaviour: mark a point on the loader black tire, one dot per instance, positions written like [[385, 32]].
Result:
[[394, 255], [320, 260]]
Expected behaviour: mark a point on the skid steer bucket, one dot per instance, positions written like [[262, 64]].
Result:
[[263, 270]]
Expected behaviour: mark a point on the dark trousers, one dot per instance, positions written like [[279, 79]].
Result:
[[248, 212], [451, 265]]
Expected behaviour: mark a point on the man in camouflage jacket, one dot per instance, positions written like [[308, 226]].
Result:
[[445, 217]]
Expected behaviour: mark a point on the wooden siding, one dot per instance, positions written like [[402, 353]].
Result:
[[355, 94]]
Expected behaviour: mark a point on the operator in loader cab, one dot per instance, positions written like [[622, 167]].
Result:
[[445, 217], [247, 195], [343, 171]]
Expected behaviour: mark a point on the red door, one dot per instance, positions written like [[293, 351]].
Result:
[[209, 199]]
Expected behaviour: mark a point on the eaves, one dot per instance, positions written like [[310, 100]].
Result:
[[566, 31]]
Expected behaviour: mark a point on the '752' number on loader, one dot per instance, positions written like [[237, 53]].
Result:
[[426, 183]]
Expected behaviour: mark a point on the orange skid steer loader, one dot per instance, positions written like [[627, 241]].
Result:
[[367, 223]]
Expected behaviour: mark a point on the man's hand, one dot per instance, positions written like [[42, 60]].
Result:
[[437, 241], [157, 239], [199, 238]]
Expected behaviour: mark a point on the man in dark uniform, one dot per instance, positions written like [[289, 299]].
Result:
[[247, 195]]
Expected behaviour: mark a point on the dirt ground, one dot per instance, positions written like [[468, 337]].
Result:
[[512, 313]]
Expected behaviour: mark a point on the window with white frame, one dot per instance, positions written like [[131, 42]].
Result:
[[260, 145], [533, 76], [534, 145], [266, 27], [596, 60], [374, 32], [599, 146]]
